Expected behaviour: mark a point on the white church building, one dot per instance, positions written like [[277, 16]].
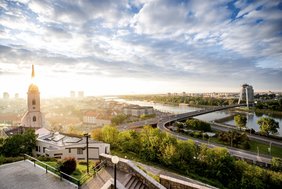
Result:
[[33, 117], [54, 144]]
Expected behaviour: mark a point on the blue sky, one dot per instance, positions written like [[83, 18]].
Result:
[[140, 46]]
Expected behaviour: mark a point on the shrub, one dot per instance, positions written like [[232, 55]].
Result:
[[45, 158], [206, 136], [197, 134], [67, 165], [4, 159], [82, 162], [246, 145]]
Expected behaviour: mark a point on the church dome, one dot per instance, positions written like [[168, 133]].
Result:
[[33, 87]]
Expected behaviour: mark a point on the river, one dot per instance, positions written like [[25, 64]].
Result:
[[251, 117]]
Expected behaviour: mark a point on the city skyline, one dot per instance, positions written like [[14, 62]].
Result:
[[132, 47]]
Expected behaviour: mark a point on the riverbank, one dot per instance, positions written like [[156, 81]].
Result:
[[272, 113], [184, 108]]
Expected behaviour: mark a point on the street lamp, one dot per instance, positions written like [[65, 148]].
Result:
[[87, 155], [269, 149], [115, 161]]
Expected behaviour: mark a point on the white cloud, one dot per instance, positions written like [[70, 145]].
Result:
[[159, 39]]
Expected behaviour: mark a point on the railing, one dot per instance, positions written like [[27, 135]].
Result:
[[99, 166], [54, 170]]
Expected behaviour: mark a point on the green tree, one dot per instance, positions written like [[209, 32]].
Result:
[[196, 124], [167, 148], [240, 121], [276, 164], [233, 137], [110, 135], [186, 154], [150, 140], [1, 145], [119, 119], [96, 134], [19, 144], [268, 125], [129, 141]]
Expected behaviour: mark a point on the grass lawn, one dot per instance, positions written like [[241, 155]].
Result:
[[263, 149], [79, 173]]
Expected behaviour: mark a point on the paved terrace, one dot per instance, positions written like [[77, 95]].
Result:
[[23, 175]]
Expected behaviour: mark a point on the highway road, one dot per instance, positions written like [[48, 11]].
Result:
[[222, 127], [162, 121], [233, 151]]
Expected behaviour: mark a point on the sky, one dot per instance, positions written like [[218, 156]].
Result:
[[140, 46]]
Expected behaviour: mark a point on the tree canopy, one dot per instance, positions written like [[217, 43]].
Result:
[[214, 164], [19, 144], [240, 121], [268, 125]]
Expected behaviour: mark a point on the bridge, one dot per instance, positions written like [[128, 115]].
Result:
[[184, 116], [176, 117]]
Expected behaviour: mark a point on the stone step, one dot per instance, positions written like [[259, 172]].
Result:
[[143, 186], [130, 182], [127, 178], [138, 185], [134, 183]]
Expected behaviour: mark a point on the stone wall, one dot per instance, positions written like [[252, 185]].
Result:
[[174, 183], [129, 167]]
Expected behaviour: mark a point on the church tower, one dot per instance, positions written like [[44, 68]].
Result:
[[33, 117]]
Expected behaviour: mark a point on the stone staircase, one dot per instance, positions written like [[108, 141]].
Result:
[[128, 180], [132, 182]]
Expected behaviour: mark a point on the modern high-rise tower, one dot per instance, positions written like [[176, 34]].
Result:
[[247, 94], [33, 117]]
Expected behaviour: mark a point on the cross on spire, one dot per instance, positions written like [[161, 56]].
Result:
[[32, 73]]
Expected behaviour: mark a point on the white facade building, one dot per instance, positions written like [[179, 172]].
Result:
[[59, 145], [136, 110]]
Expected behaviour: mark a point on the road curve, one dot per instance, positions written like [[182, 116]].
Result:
[[243, 154]]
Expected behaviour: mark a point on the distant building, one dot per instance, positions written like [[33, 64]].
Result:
[[6, 95], [136, 110], [33, 117], [96, 118], [10, 119], [16, 95], [72, 94], [246, 94], [60, 146], [80, 94]]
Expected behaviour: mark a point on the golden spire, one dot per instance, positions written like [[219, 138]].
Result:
[[32, 73]]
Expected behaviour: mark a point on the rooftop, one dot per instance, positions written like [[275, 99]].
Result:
[[61, 139], [23, 174]]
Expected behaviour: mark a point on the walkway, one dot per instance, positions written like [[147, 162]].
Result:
[[23, 175]]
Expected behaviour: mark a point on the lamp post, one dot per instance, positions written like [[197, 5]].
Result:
[[115, 161], [87, 155]]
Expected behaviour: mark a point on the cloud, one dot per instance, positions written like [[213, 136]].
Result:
[[162, 40]]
